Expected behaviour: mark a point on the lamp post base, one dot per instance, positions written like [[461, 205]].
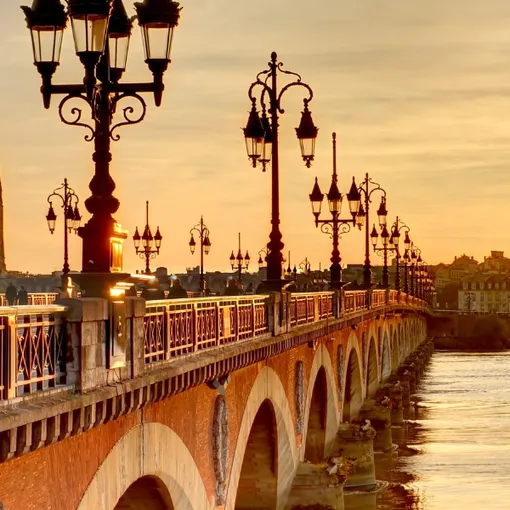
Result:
[[98, 285], [273, 285]]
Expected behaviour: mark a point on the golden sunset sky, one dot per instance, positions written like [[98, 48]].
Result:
[[417, 91]]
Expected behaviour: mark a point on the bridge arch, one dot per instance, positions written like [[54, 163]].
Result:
[[150, 457], [385, 358], [353, 388], [322, 415], [267, 393], [372, 375]]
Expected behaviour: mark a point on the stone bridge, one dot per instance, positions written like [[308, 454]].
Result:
[[200, 404]]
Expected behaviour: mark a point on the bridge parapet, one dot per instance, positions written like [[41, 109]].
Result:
[[32, 349]]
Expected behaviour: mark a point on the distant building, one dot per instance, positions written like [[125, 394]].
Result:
[[484, 293]]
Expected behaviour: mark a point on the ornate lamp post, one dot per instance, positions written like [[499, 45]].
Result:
[[262, 258], [335, 226], [261, 137], [407, 261], [398, 226], [291, 274], [72, 220], [367, 188], [415, 252], [150, 245], [239, 262], [102, 31], [205, 246]]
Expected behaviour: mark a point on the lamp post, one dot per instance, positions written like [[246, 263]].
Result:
[[367, 188], [72, 220], [150, 245], [414, 257], [102, 31], [291, 274], [205, 246], [397, 227], [335, 226], [239, 262], [262, 145]]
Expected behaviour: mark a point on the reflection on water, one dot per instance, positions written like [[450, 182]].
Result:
[[455, 452]]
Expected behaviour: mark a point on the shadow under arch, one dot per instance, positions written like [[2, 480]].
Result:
[[147, 493], [353, 394], [323, 365], [372, 375], [267, 387], [385, 359], [148, 450], [395, 354], [315, 443], [260, 463]]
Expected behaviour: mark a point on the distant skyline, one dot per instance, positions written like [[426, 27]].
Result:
[[417, 92]]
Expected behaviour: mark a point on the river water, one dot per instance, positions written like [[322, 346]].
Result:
[[454, 454]]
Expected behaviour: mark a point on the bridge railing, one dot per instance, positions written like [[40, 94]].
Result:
[[176, 327], [32, 349], [308, 307], [35, 298]]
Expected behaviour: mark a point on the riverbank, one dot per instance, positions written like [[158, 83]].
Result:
[[449, 343]]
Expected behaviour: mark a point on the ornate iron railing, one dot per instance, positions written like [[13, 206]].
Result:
[[35, 298], [310, 307], [32, 349], [177, 327]]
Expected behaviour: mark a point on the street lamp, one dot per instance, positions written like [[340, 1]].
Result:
[[261, 137], [147, 246], [398, 227], [335, 226], [72, 219], [367, 188], [239, 262], [291, 274], [205, 246], [387, 245], [415, 258], [102, 31]]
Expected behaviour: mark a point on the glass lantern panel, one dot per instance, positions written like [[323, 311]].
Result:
[[254, 147], [157, 39], [118, 47], [307, 147], [89, 32], [47, 43]]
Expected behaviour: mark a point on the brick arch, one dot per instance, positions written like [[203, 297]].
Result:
[[267, 386], [373, 370], [148, 450], [322, 360], [385, 358], [354, 381]]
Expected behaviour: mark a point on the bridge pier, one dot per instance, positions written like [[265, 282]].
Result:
[[357, 447], [380, 420], [394, 393], [317, 486]]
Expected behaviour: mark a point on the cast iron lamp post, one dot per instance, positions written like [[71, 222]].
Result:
[[415, 259], [239, 262], [150, 245], [262, 137], [407, 260], [101, 30], [205, 246], [262, 258], [398, 226], [367, 187], [386, 246], [335, 226], [291, 274], [72, 220]]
